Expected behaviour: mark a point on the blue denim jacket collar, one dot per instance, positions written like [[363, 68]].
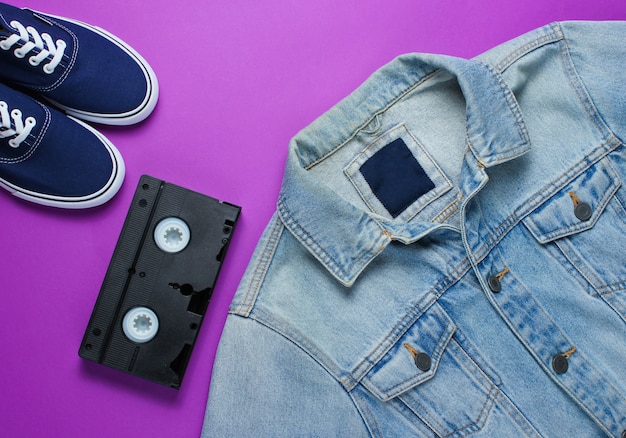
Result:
[[344, 238]]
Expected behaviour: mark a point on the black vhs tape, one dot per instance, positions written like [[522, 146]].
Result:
[[159, 282]]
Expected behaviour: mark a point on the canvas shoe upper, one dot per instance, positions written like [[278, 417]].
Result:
[[52, 159], [80, 68]]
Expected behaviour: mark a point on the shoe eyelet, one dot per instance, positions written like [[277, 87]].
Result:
[[19, 53]]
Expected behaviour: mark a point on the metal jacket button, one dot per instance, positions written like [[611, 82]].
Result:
[[494, 284], [423, 361], [560, 362], [495, 281], [583, 211]]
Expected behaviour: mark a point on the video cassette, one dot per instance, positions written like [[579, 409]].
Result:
[[159, 282]]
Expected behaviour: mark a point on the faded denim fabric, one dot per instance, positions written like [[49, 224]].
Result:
[[447, 257]]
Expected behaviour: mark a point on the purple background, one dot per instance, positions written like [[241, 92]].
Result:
[[238, 79]]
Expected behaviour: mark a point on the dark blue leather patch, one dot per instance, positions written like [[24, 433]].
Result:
[[395, 177]]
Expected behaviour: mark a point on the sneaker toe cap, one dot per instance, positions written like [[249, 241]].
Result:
[[74, 166]]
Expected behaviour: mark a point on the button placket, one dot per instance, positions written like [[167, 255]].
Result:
[[537, 330]]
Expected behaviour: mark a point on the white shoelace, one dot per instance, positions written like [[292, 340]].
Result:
[[19, 129], [44, 44]]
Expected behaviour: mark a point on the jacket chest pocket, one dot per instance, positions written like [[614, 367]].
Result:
[[586, 224], [439, 378]]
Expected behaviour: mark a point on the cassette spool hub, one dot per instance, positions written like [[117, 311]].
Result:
[[172, 234], [140, 324]]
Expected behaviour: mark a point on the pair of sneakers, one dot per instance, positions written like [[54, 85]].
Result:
[[48, 154]]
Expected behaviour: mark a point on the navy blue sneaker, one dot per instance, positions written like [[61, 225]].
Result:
[[82, 69], [52, 159]]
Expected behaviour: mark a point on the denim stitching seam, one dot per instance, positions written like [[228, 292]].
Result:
[[319, 250], [540, 197], [549, 38], [245, 308], [411, 316], [582, 92], [374, 115]]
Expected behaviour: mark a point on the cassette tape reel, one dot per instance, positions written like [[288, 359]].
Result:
[[159, 282]]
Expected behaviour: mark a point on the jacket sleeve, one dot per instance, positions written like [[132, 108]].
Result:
[[265, 385]]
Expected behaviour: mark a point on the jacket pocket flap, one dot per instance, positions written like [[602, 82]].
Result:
[[576, 207], [414, 358]]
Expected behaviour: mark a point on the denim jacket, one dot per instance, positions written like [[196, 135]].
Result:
[[448, 255]]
